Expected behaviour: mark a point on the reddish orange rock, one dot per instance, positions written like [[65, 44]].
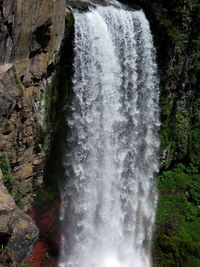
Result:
[[47, 249]]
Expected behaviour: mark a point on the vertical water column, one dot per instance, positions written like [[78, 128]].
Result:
[[109, 199]]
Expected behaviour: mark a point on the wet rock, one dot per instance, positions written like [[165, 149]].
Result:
[[46, 217]]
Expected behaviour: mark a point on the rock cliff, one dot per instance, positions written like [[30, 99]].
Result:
[[29, 42], [30, 37]]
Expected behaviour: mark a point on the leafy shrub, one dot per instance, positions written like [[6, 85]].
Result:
[[194, 193], [14, 188], [8, 179]]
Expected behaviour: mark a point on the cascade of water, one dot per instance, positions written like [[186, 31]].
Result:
[[109, 199]]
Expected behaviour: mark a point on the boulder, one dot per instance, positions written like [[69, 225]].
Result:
[[18, 231]]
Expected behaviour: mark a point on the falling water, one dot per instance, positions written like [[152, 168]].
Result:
[[109, 199]]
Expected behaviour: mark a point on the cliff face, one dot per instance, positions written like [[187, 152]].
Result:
[[31, 34], [30, 28], [30, 37]]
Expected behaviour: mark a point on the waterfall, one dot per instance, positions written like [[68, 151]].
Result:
[[109, 198]]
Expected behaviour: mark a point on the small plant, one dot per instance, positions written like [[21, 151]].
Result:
[[8, 179], [41, 138], [56, 59], [13, 187]]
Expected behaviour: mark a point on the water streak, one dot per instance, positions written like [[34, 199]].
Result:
[[109, 199]]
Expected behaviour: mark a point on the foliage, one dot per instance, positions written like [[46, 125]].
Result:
[[14, 188], [44, 196], [176, 239], [8, 179], [194, 193], [41, 138], [178, 48], [56, 59]]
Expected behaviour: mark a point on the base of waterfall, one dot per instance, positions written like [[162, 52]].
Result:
[[110, 260]]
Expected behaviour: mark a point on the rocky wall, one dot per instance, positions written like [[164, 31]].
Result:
[[30, 37], [31, 34]]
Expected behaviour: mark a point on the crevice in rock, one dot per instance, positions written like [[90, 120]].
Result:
[[50, 69], [1, 10], [8, 25], [42, 34], [23, 119], [7, 132], [34, 53], [9, 28], [35, 80], [22, 78], [8, 116], [17, 109], [4, 238]]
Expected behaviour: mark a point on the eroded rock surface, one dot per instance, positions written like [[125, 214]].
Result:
[[17, 230], [30, 37], [29, 41], [18, 119]]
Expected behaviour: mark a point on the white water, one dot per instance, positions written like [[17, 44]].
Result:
[[109, 199]]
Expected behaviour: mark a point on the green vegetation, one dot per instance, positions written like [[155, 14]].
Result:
[[14, 188], [178, 47], [176, 239], [8, 179], [57, 98], [44, 196], [42, 136]]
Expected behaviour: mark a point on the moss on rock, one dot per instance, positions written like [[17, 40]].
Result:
[[176, 241], [59, 97]]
